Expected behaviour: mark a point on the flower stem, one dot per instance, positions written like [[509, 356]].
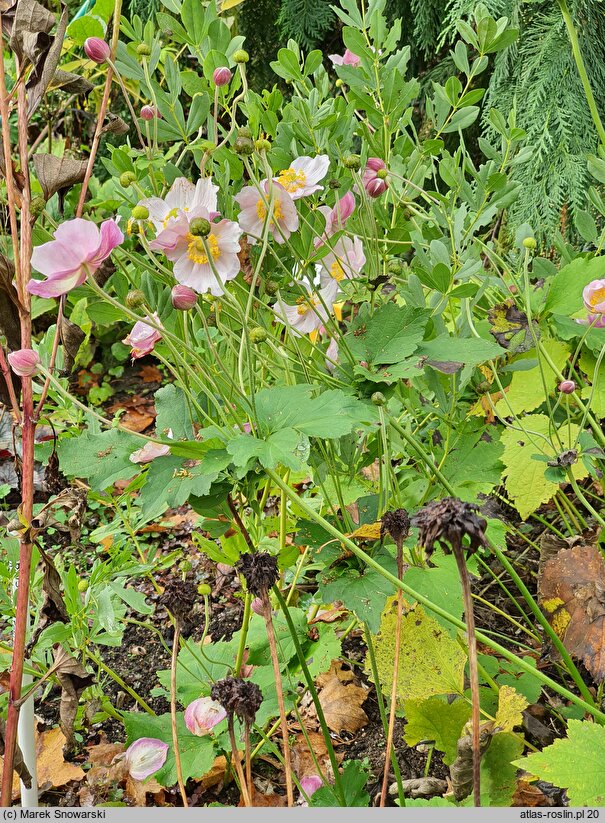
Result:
[[175, 736]]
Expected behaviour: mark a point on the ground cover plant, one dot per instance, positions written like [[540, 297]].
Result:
[[302, 455]]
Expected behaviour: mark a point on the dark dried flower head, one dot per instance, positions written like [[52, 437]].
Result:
[[260, 572], [446, 522], [237, 696], [179, 597], [396, 524]]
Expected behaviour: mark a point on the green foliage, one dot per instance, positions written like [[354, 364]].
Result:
[[197, 753], [436, 721], [575, 763], [306, 21], [354, 779]]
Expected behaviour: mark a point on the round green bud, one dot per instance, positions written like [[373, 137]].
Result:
[[200, 227], [258, 335], [530, 243], [395, 266], [185, 566], [207, 146], [82, 585], [381, 174], [334, 184], [339, 83], [352, 161], [245, 131], [262, 145], [135, 299], [378, 399], [143, 49], [241, 56], [271, 287], [243, 145], [37, 206], [140, 213], [204, 589], [126, 178]]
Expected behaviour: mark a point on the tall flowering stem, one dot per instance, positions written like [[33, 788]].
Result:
[[22, 248]]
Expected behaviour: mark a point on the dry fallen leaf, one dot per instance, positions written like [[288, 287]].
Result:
[[572, 592], [53, 771], [215, 776], [341, 699], [526, 794], [303, 763], [368, 531], [150, 374], [138, 417]]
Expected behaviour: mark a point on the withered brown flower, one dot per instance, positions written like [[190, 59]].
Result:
[[237, 696], [260, 572], [446, 522], [395, 523]]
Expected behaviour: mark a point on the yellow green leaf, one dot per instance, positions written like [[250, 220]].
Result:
[[230, 4], [527, 388], [510, 709], [526, 483], [431, 661], [588, 363]]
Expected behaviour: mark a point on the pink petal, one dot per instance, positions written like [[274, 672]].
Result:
[[56, 286], [111, 236], [145, 756]]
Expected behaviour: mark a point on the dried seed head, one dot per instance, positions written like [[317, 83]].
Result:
[[396, 524], [237, 696], [446, 522], [260, 572], [179, 598]]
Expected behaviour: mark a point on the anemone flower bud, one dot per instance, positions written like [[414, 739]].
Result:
[[24, 362], [149, 112], [311, 784], [257, 606], [222, 76], [374, 180], [202, 715], [145, 756], [96, 49], [567, 386], [183, 298]]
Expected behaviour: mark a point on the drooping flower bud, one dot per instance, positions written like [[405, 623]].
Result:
[[145, 756], [24, 362], [149, 112], [96, 49], [567, 386], [374, 176], [183, 298], [311, 784], [203, 715], [222, 76], [257, 606]]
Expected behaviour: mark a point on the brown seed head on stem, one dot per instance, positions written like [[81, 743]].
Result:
[[260, 572], [446, 522]]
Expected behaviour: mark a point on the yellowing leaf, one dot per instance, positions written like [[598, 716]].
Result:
[[526, 483], [526, 390], [432, 662], [588, 362], [230, 4], [367, 531], [510, 708]]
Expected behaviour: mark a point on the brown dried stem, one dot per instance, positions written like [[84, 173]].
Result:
[[280, 696], [175, 736], [237, 764], [469, 617]]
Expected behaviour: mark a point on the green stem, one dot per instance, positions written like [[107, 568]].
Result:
[[577, 54], [587, 704], [311, 685]]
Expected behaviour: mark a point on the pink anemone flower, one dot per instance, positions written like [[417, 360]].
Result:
[[346, 59], [142, 338], [594, 296], [202, 263], [303, 176], [203, 715], [183, 196], [309, 313], [344, 262], [283, 219], [336, 218], [79, 248]]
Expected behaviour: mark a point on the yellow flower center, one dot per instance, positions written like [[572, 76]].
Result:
[[337, 271], [197, 252], [306, 304], [173, 213], [261, 210], [597, 296], [292, 180]]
